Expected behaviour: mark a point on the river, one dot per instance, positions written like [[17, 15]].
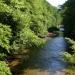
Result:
[[50, 57], [48, 60]]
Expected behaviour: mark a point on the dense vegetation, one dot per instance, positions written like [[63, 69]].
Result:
[[4, 69], [69, 56], [23, 23], [69, 24], [69, 18]]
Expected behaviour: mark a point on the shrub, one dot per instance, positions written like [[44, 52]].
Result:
[[69, 56], [27, 39], [4, 69], [5, 35], [2, 56]]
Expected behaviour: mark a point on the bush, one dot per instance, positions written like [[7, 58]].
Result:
[[4, 69], [69, 56], [5, 35], [27, 40], [2, 56]]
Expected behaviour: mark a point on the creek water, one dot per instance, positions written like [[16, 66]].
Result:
[[48, 60], [50, 57]]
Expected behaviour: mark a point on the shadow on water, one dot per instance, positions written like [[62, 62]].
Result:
[[49, 58]]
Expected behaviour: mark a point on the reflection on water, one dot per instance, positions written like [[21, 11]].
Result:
[[50, 56], [47, 61]]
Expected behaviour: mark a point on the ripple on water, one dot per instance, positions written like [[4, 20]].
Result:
[[49, 57]]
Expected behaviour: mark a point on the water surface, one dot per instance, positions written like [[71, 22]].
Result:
[[49, 59]]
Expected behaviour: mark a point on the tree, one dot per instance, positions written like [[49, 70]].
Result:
[[69, 18], [27, 18]]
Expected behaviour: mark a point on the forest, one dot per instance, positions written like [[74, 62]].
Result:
[[24, 25]]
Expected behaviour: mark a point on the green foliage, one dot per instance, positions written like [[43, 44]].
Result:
[[69, 18], [27, 39], [28, 20], [23, 23], [69, 58], [2, 56], [5, 35], [70, 55], [72, 44], [4, 69]]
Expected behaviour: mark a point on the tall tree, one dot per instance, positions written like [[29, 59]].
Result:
[[69, 18]]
